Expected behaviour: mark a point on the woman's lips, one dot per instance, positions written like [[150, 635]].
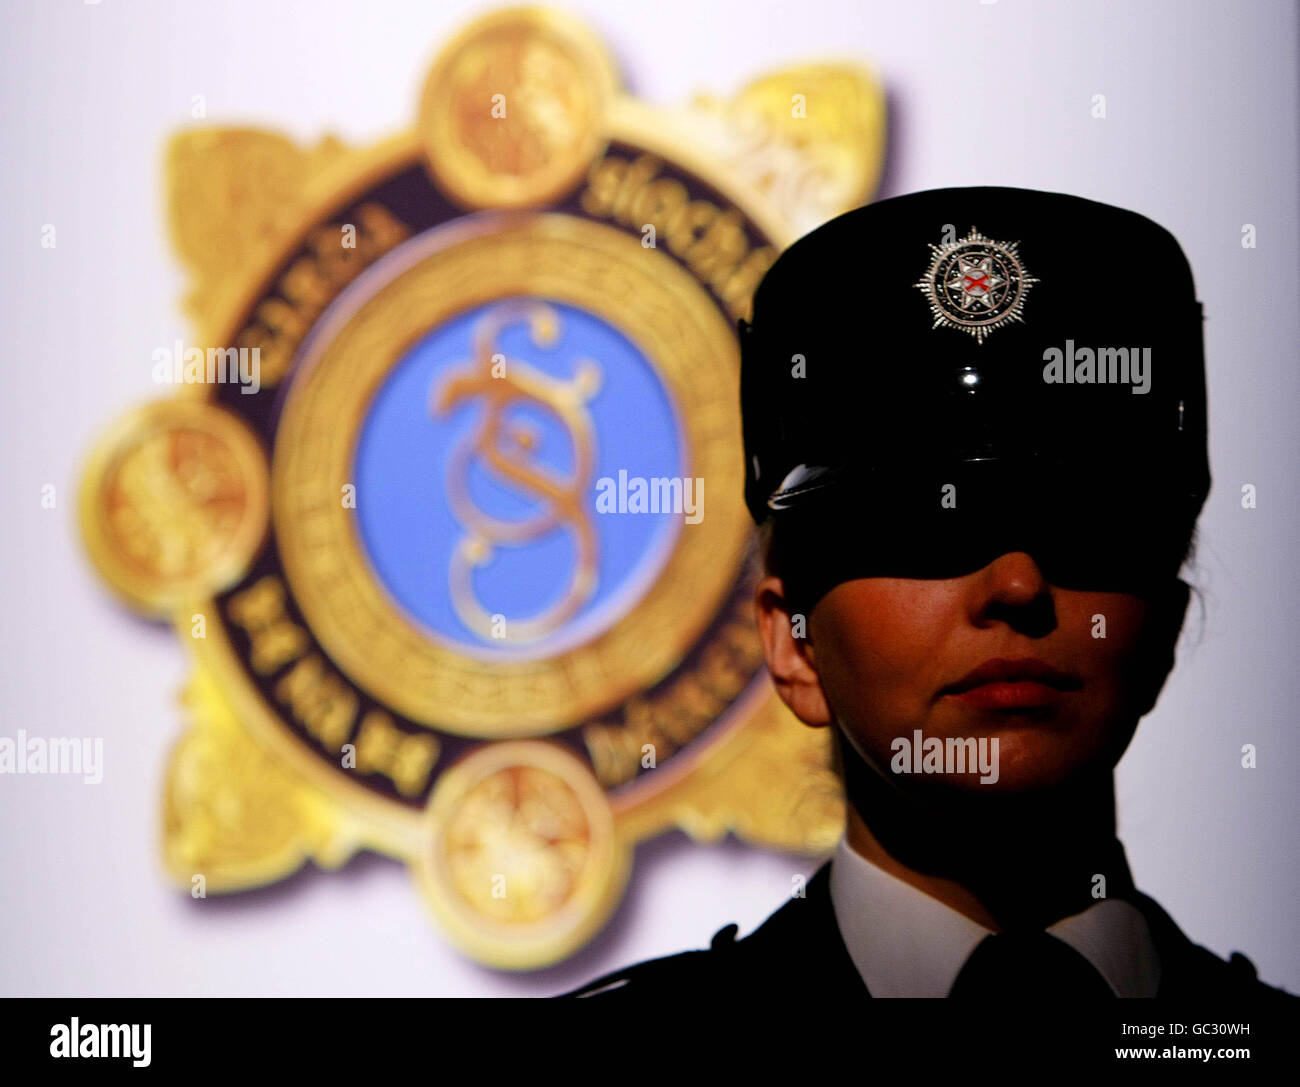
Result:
[[1002, 684], [1027, 694]]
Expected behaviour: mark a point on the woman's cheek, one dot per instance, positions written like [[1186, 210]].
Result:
[[1106, 634], [879, 687], [880, 646]]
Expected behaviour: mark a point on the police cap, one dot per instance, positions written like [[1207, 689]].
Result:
[[961, 372]]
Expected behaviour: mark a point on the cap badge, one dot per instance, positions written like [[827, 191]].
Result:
[[976, 284]]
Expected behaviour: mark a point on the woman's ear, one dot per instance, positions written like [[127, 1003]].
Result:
[[789, 654], [1167, 616]]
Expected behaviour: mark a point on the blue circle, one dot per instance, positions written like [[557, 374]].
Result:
[[410, 532]]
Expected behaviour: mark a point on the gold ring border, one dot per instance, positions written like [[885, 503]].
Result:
[[391, 656]]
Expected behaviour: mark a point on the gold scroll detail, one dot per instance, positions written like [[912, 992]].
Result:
[[507, 446], [234, 194], [769, 783], [810, 138], [234, 814]]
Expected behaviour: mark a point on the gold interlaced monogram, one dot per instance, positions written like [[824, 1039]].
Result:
[[508, 448]]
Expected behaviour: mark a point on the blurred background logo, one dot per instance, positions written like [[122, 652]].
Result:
[[413, 629]]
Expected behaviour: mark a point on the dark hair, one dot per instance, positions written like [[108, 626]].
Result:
[[773, 548]]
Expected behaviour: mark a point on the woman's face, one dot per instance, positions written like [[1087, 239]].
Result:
[[1059, 677]]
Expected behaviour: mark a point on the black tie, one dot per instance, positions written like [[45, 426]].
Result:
[[1017, 965]]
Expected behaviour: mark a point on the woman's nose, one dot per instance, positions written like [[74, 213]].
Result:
[[1013, 590]]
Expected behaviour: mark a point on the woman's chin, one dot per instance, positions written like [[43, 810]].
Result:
[[1004, 762]]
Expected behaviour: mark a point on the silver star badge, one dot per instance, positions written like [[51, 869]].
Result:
[[975, 284]]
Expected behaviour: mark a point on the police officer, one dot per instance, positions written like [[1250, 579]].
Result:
[[975, 445]]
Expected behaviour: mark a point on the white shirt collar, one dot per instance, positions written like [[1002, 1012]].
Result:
[[905, 943]]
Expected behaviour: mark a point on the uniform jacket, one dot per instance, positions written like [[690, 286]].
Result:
[[798, 953]]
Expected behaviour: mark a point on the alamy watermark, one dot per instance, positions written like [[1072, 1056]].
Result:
[[112, 1040], [181, 365], [56, 755], [1103, 366], [951, 755], [659, 494]]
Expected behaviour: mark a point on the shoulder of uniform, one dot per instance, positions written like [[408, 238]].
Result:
[[1239, 976], [1195, 970], [777, 954], [700, 970]]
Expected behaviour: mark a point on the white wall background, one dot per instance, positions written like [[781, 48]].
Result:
[[1200, 135]]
